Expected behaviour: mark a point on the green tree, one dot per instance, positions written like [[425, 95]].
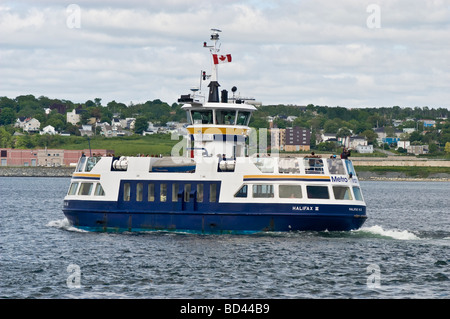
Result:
[[447, 148], [6, 138], [371, 136], [140, 125], [7, 116]]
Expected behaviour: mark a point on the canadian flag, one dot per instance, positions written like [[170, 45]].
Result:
[[221, 58]]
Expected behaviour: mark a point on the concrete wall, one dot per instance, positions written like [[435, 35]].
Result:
[[36, 171], [398, 161]]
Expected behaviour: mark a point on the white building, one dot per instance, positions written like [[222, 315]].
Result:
[[31, 125], [403, 144], [73, 117], [364, 149], [48, 130]]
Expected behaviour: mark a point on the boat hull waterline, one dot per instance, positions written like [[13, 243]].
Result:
[[334, 218]]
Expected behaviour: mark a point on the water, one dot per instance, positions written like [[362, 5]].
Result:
[[403, 251]]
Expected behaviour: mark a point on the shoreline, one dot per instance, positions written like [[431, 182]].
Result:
[[9, 171]]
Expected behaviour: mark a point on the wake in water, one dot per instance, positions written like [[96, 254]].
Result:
[[395, 234], [64, 224]]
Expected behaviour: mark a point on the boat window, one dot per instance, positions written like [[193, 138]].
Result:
[[319, 192], [264, 164], [202, 117], [313, 165], [126, 192], [335, 166], [242, 192], [262, 191], [90, 163], [290, 191], [99, 190], [174, 192], [80, 164], [225, 117], [200, 193], [151, 192], [288, 166], [85, 189], [342, 192], [350, 169], [139, 192], [163, 192], [187, 191], [73, 188], [242, 118], [357, 192], [212, 193]]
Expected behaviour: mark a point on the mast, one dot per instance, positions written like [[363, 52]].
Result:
[[214, 84]]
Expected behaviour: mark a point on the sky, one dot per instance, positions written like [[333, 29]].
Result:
[[348, 53]]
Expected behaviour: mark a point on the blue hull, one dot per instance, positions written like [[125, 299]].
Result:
[[249, 219]]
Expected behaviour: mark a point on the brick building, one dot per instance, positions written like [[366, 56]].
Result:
[[45, 157], [297, 139]]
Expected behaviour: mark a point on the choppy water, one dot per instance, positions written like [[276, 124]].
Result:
[[403, 251]]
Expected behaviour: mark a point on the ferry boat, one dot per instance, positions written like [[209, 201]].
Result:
[[218, 185]]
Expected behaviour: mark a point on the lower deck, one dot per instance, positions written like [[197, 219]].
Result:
[[243, 218]]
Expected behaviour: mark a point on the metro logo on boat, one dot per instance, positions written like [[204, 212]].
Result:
[[339, 179]]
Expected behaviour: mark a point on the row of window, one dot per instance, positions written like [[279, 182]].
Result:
[[147, 191], [312, 165], [159, 192], [296, 191], [85, 189], [228, 117]]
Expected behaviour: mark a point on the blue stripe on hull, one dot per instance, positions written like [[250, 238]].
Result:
[[246, 220]]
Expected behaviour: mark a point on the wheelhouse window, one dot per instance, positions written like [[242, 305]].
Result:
[[99, 190], [242, 118], [290, 191], [317, 192], [202, 117], [73, 188], [85, 189], [357, 192], [342, 193], [126, 192], [225, 117], [242, 192], [263, 191]]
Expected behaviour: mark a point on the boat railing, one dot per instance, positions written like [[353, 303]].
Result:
[[304, 165]]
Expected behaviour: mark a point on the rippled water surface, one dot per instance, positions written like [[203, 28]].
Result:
[[403, 251]]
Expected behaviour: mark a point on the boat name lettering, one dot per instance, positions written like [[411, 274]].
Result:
[[355, 209], [305, 208], [339, 179]]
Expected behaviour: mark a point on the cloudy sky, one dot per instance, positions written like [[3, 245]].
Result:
[[351, 53]]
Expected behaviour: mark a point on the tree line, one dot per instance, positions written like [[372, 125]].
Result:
[[337, 120]]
